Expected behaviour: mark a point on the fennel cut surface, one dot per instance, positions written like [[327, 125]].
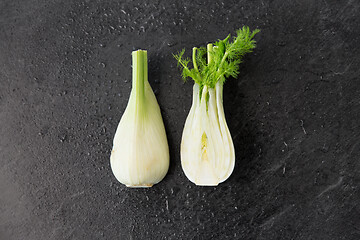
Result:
[[140, 154], [207, 150]]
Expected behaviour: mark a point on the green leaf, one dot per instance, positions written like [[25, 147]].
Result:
[[225, 56]]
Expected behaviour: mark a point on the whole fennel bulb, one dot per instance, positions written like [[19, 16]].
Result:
[[140, 154], [207, 150]]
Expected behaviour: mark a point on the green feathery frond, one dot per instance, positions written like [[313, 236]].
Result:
[[225, 57]]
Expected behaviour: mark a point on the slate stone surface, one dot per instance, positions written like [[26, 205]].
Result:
[[65, 77]]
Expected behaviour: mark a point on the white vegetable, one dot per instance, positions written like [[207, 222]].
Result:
[[207, 150], [140, 154]]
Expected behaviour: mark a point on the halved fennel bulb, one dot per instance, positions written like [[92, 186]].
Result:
[[140, 154], [207, 150]]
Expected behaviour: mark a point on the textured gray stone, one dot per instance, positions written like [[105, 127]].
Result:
[[65, 77]]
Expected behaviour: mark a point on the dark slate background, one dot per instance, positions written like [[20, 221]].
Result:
[[65, 78]]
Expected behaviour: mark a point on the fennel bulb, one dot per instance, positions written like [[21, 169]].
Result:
[[207, 150], [140, 154]]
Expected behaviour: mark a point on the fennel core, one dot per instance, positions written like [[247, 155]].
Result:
[[134, 160], [207, 150]]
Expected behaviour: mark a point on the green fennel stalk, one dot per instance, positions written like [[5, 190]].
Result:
[[223, 61]]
